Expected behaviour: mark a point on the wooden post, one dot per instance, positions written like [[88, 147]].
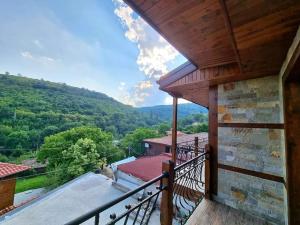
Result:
[[174, 130], [196, 146], [166, 207], [207, 172]]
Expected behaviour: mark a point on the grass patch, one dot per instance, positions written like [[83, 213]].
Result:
[[31, 183]]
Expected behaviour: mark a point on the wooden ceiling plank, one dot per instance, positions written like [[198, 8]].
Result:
[[243, 12], [267, 28], [174, 8], [230, 32]]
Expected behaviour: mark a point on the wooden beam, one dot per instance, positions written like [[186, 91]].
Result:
[[230, 33], [174, 129], [207, 172], [213, 138], [291, 58], [253, 125], [252, 173], [166, 215], [176, 74], [292, 136]]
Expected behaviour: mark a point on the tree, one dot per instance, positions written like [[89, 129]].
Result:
[[78, 159], [134, 140], [18, 139], [49, 131], [54, 145], [163, 128], [4, 132], [3, 158]]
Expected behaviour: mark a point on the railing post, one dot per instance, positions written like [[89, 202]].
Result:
[[196, 146], [207, 171], [166, 207], [174, 129]]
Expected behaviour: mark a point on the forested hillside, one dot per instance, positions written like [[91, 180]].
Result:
[[75, 130], [165, 111], [32, 109]]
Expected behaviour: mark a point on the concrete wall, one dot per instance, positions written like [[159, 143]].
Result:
[[262, 150]]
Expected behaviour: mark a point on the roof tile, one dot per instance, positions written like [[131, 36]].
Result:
[[7, 169]]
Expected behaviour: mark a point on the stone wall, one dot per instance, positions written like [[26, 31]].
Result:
[[257, 149], [250, 101], [256, 196]]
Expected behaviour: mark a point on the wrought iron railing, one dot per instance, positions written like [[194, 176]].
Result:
[[189, 186], [134, 213], [177, 191], [190, 149]]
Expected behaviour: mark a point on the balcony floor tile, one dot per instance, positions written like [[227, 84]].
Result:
[[213, 213]]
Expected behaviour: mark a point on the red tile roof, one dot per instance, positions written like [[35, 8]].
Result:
[[7, 169], [167, 140], [145, 168]]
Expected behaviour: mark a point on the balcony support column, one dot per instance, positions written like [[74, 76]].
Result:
[[166, 208], [207, 166], [174, 129], [196, 146]]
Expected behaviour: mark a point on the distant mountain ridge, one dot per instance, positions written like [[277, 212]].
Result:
[[37, 104], [164, 112]]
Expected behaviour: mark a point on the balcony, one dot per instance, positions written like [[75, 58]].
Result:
[[173, 195], [180, 195]]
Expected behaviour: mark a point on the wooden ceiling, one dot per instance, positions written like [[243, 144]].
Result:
[[252, 35], [195, 27]]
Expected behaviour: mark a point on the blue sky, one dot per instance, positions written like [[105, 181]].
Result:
[[101, 45]]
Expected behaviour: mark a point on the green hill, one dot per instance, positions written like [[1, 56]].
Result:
[[31, 109]]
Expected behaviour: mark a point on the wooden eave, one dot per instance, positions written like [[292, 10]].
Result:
[[227, 40]]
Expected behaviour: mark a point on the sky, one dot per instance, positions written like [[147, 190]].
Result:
[[100, 45]]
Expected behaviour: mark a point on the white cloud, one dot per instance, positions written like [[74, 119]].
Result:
[[144, 85], [154, 51], [169, 100], [37, 58], [136, 95]]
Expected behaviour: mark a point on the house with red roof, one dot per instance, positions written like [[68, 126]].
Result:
[[156, 146], [8, 182], [132, 174]]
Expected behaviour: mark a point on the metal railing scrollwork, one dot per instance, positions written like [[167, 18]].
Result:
[[189, 186]]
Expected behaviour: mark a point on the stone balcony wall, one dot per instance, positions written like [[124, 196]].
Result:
[[262, 150]]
